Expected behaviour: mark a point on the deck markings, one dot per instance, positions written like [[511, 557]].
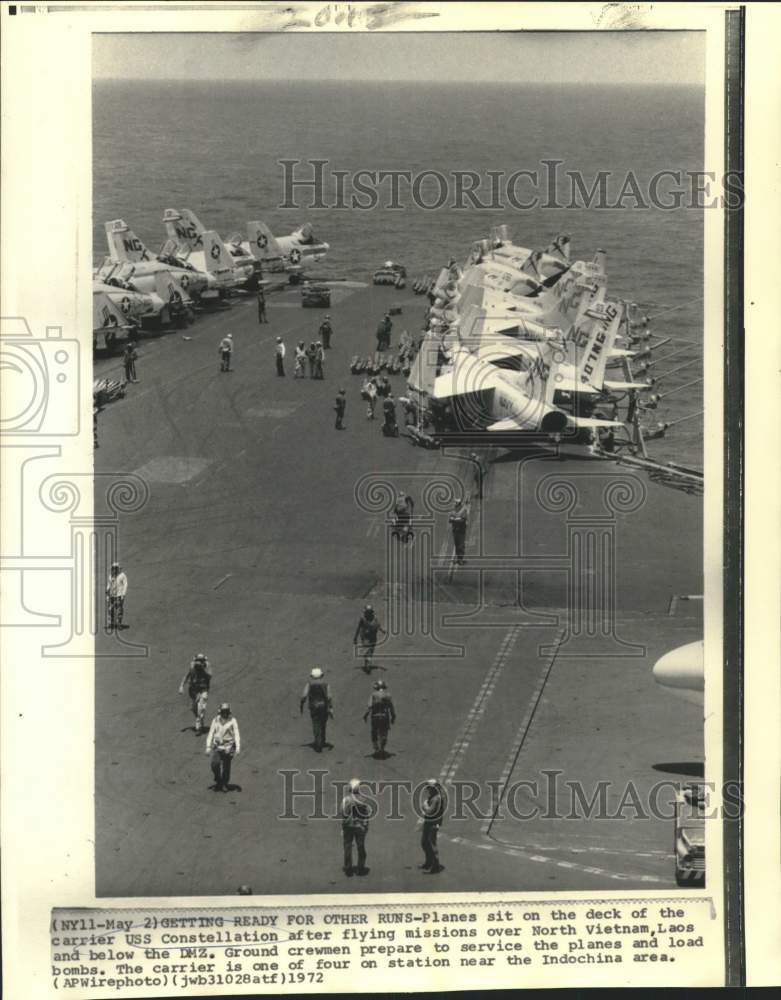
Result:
[[523, 729], [464, 738], [527, 855]]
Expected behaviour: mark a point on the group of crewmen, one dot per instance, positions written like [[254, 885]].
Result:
[[223, 741]]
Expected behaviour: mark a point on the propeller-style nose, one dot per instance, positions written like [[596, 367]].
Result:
[[682, 671]]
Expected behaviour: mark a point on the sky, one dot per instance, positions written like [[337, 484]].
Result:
[[619, 57]]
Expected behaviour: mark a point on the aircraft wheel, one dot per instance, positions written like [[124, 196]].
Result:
[[111, 341]]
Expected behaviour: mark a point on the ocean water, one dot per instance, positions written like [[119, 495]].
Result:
[[215, 148]]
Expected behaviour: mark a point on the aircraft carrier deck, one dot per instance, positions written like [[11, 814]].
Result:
[[264, 534]]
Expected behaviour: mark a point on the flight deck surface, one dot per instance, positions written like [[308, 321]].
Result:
[[264, 534]]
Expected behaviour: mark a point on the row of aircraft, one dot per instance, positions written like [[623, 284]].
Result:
[[522, 340], [134, 285], [528, 337]]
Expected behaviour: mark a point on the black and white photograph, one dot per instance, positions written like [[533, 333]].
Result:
[[400, 341], [377, 578]]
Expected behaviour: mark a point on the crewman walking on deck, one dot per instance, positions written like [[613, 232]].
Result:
[[325, 332], [129, 361], [116, 592], [299, 370], [280, 356], [367, 631], [340, 406], [318, 697], [459, 519], [433, 809], [225, 351], [355, 812], [369, 393], [383, 715], [222, 744], [319, 360], [262, 306], [198, 680]]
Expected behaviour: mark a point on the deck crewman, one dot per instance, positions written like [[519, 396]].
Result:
[[318, 697], [116, 592], [129, 361], [325, 331], [300, 365], [355, 813], [383, 715], [262, 306], [225, 350], [340, 405], [222, 745], [280, 356], [458, 520], [198, 680], [367, 630], [433, 810]]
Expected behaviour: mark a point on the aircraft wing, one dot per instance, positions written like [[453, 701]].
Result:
[[469, 374], [620, 386], [509, 424], [566, 380], [498, 348], [592, 422]]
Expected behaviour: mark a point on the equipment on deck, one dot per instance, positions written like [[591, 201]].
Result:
[[315, 295], [390, 274]]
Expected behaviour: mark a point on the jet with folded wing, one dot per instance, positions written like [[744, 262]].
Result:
[[290, 254], [205, 250], [124, 246]]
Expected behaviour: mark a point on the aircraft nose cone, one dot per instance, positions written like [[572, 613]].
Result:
[[682, 669]]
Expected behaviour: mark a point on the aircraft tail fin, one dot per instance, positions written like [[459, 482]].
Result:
[[105, 315], [183, 227], [123, 244], [169, 289], [215, 256], [594, 336], [262, 242], [559, 247]]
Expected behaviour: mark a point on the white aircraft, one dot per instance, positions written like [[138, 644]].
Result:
[[291, 254], [165, 301], [682, 672], [138, 306], [108, 321], [125, 246], [543, 266], [205, 250]]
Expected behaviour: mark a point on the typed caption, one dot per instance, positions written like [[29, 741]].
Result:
[[164, 952]]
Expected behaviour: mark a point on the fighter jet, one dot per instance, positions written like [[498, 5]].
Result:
[[134, 306], [682, 672], [166, 301], [125, 246], [544, 266], [291, 254], [492, 398], [204, 249]]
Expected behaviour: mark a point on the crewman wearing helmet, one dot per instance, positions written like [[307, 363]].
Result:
[[433, 810], [225, 351], [355, 813], [318, 696], [198, 680], [366, 631], [222, 744], [383, 715], [116, 591]]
